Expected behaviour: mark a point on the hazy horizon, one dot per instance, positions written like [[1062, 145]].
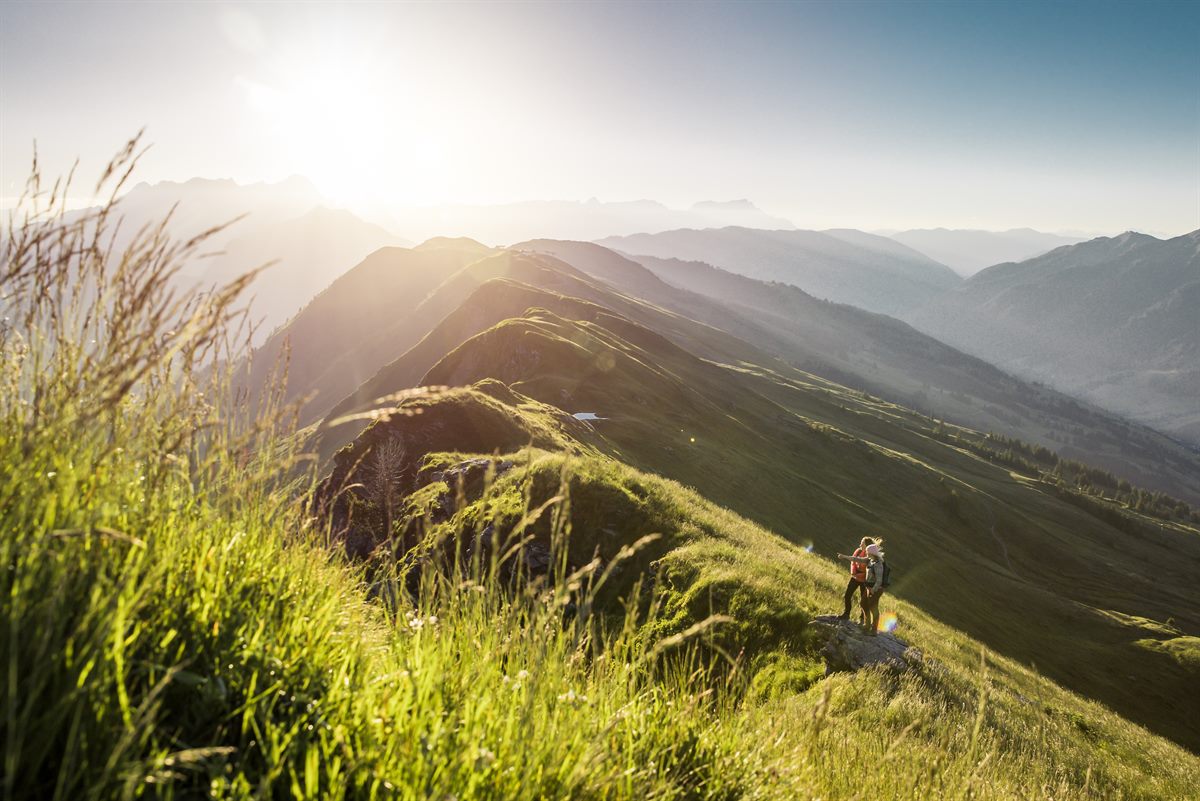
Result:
[[1079, 118]]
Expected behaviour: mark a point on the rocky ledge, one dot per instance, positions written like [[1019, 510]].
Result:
[[848, 647]]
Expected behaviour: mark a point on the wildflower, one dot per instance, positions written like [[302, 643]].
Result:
[[572, 697]]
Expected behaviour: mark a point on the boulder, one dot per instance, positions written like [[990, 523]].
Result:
[[848, 647], [470, 473]]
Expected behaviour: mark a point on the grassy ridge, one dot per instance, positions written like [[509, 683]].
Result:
[[983, 548], [225, 652]]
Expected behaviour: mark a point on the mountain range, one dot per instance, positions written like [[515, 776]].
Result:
[[886, 357], [1114, 320], [872, 272], [286, 225], [799, 454], [564, 219], [1107, 321], [968, 251]]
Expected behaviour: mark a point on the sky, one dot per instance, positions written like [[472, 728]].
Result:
[[1071, 117]]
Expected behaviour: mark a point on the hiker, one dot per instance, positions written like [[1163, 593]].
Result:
[[876, 582], [858, 577]]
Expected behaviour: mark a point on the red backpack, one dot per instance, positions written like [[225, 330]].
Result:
[[857, 569]]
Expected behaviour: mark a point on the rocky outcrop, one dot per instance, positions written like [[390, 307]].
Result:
[[848, 647]]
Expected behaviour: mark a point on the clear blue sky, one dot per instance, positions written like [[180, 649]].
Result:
[[1059, 116]]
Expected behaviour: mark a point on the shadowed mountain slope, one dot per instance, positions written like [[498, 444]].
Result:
[[1113, 320], [887, 357], [878, 277]]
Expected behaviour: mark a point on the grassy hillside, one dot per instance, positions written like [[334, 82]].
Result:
[[986, 549], [708, 560], [670, 396], [225, 651]]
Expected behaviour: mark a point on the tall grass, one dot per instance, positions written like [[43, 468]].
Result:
[[174, 625]]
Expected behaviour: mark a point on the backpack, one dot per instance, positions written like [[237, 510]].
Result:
[[887, 574]]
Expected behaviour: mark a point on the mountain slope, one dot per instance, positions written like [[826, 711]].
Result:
[[338, 338], [307, 254], [877, 278], [284, 223], [1113, 320], [967, 251], [889, 358], [982, 548]]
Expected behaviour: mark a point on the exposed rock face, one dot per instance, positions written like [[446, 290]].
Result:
[[470, 474], [848, 648]]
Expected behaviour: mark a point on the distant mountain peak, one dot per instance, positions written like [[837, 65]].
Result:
[[293, 183], [459, 242], [741, 204], [1134, 235]]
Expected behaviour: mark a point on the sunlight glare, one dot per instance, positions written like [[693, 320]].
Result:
[[342, 128]]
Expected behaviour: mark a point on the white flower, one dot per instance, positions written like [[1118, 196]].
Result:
[[572, 697]]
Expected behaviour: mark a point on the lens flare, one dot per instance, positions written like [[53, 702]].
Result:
[[888, 621]]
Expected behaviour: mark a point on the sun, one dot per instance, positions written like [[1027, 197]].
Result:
[[349, 130]]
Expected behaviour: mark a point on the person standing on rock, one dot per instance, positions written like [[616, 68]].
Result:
[[874, 581], [858, 577], [876, 584]]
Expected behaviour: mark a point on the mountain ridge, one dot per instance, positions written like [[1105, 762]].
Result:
[[826, 266], [968, 251], [1088, 319]]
